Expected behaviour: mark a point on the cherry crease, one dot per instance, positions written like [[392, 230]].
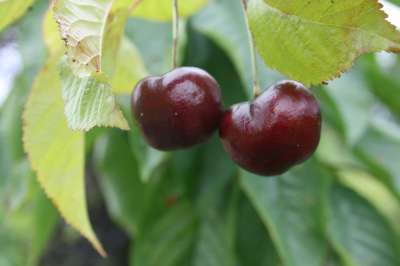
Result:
[[179, 109], [279, 129]]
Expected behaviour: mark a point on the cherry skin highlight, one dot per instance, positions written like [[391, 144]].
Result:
[[279, 129], [179, 109]]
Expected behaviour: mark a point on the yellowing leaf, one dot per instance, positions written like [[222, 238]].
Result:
[[315, 41], [161, 10], [82, 25], [11, 10], [129, 68], [90, 28], [56, 152]]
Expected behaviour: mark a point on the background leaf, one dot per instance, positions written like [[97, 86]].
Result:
[[282, 202], [11, 10], [129, 68], [223, 22], [161, 10], [359, 233]]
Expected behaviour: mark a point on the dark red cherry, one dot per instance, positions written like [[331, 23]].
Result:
[[279, 129], [179, 109]]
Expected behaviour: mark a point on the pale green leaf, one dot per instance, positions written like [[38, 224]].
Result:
[[161, 10], [90, 29], [129, 68], [113, 36], [315, 41], [360, 235], [89, 101], [11, 10], [56, 152], [291, 208]]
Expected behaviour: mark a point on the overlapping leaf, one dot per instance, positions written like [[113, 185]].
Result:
[[285, 201], [315, 41], [87, 94], [161, 10], [129, 68]]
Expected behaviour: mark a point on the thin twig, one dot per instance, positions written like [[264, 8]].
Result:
[[175, 33]]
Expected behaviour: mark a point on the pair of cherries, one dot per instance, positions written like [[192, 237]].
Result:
[[266, 136]]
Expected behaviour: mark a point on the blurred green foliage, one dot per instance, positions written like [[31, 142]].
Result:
[[195, 207]]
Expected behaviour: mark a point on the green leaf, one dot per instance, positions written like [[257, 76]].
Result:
[[120, 180], [156, 55], [223, 22], [254, 245], [29, 218], [375, 192], [397, 2], [316, 41], [161, 10], [333, 151], [56, 153], [168, 240], [182, 238], [129, 68], [88, 97], [11, 10], [379, 149], [354, 104], [285, 201], [89, 101], [149, 160], [385, 85], [360, 235]]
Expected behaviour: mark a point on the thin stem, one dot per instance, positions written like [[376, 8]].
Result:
[[175, 32], [254, 70]]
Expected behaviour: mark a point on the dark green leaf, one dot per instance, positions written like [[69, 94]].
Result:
[[361, 236], [290, 206]]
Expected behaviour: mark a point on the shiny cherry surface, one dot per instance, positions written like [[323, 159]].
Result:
[[179, 109], [279, 129]]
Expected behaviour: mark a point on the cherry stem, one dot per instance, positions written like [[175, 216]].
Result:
[[254, 69], [175, 32]]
